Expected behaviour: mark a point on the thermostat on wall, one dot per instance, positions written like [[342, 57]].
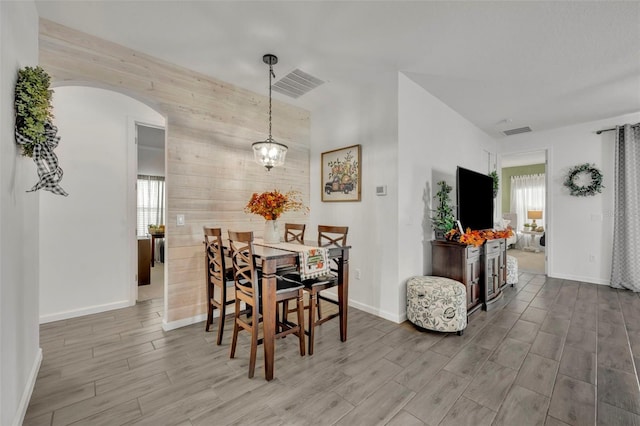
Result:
[[381, 190]]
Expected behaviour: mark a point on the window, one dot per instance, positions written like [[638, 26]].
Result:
[[527, 193], [150, 202]]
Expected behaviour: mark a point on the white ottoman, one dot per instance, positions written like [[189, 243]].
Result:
[[512, 270], [437, 303]]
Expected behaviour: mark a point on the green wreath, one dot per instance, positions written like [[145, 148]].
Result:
[[33, 104], [582, 191]]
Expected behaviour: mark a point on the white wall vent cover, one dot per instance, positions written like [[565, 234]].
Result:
[[296, 84], [510, 132]]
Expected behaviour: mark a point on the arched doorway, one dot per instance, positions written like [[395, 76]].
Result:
[[87, 240]]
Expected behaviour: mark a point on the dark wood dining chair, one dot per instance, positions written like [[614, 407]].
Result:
[[327, 236], [219, 277], [294, 232], [247, 290]]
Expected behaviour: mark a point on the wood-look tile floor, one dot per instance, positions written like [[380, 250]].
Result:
[[555, 352]]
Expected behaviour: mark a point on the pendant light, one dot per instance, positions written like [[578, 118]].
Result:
[[269, 153]]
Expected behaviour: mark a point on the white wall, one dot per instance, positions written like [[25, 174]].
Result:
[[576, 227], [84, 243], [409, 140], [19, 332], [433, 141], [366, 115]]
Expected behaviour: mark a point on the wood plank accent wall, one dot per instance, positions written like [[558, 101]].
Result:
[[210, 125]]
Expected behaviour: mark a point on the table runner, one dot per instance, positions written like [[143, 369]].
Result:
[[314, 261]]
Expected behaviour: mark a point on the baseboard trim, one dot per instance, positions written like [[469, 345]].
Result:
[[84, 311], [378, 312], [28, 390], [370, 309], [172, 325], [589, 280]]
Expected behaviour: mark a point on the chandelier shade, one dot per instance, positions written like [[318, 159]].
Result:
[[269, 153]]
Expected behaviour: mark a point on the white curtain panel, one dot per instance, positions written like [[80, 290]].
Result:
[[150, 202], [625, 270], [527, 193]]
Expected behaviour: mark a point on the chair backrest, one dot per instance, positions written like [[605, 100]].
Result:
[[294, 232], [244, 270], [513, 220], [214, 259], [332, 235]]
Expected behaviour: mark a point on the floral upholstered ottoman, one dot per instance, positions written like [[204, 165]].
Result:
[[437, 303], [512, 270]]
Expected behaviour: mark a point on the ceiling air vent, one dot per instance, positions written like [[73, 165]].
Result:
[[296, 83], [524, 129]]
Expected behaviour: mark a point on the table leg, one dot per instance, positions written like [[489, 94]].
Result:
[[269, 307], [343, 293], [153, 249], [531, 241]]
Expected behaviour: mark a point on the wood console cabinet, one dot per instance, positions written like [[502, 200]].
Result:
[[461, 263], [483, 270], [503, 262], [144, 261], [494, 274]]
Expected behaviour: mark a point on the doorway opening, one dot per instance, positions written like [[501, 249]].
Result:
[[524, 182], [150, 211]]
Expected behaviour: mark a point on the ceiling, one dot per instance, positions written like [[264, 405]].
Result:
[[501, 65]]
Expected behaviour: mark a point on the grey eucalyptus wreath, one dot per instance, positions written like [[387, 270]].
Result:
[[584, 190]]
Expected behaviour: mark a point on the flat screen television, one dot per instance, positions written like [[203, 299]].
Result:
[[475, 199]]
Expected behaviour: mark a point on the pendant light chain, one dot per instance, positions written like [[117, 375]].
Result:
[[269, 153], [270, 74]]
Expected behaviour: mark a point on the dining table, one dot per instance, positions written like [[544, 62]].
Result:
[[272, 257]]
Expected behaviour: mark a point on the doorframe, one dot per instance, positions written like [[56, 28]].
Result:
[[548, 248], [132, 199]]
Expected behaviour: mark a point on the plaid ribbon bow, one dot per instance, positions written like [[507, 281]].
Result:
[[49, 171]]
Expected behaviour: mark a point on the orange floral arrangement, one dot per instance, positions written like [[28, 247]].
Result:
[[477, 238], [271, 205]]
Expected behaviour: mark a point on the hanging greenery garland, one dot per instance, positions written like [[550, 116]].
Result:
[[34, 129], [33, 107], [580, 190]]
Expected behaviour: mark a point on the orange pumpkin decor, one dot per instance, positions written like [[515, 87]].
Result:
[[477, 238]]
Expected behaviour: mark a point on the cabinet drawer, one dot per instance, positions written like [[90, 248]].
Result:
[[473, 252], [492, 247]]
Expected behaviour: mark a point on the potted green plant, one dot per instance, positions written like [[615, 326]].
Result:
[[496, 182], [443, 220]]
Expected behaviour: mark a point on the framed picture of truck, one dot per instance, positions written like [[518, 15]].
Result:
[[341, 174]]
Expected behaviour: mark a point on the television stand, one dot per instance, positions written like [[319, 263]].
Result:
[[482, 270]]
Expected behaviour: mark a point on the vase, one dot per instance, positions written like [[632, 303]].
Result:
[[271, 232]]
